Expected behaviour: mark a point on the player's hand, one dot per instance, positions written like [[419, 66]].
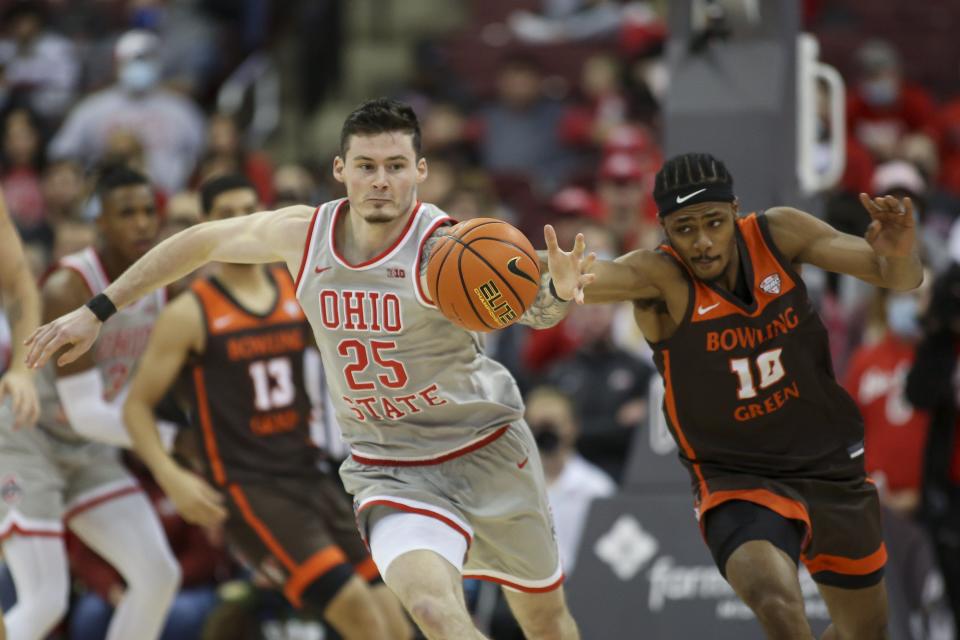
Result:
[[78, 328], [18, 384], [568, 269], [195, 500], [892, 230]]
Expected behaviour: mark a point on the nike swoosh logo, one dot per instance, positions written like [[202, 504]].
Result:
[[682, 199], [321, 269], [702, 310], [521, 465], [515, 270]]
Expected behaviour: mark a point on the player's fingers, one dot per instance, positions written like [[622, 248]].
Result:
[[211, 494], [579, 246], [587, 264], [907, 206], [873, 231], [44, 347], [550, 236], [33, 409], [75, 351]]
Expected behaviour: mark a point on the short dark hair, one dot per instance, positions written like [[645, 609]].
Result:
[[380, 115], [689, 172], [116, 177], [211, 189]]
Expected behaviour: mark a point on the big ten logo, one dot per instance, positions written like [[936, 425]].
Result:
[[495, 304]]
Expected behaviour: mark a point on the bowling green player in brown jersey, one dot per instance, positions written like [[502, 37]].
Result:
[[235, 341], [773, 444]]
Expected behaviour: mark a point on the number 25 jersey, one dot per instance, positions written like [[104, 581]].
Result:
[[750, 388], [407, 384]]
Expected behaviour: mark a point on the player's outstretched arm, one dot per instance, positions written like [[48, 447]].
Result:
[[886, 256], [21, 303], [268, 236], [638, 275], [563, 275], [178, 331]]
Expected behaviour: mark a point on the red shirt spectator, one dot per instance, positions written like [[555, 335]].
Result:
[[896, 432], [883, 105]]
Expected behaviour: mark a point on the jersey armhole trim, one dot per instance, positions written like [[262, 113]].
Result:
[[423, 297], [307, 249]]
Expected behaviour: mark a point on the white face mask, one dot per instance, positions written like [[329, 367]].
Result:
[[903, 317], [139, 76]]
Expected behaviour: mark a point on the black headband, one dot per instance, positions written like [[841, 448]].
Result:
[[671, 201]]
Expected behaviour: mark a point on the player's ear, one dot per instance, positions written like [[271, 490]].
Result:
[[735, 205], [338, 169], [422, 171]]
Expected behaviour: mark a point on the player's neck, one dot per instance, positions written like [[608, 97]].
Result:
[[728, 281], [113, 263], [359, 240]]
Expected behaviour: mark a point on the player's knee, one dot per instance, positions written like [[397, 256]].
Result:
[[551, 621], [434, 615], [872, 627], [772, 604]]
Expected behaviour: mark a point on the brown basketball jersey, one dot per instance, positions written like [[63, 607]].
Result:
[[750, 388], [248, 385]]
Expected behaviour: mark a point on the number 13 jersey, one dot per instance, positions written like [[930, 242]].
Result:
[[750, 388], [408, 385]]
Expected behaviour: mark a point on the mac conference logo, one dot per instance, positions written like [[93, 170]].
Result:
[[771, 284]]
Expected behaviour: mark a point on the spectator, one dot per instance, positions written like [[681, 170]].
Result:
[[567, 20], [519, 130], [572, 482], [63, 191], [895, 432], [883, 105], [625, 190], [171, 127], [603, 105], [607, 384], [931, 386], [226, 153], [22, 162], [293, 184], [900, 178], [41, 65], [203, 563]]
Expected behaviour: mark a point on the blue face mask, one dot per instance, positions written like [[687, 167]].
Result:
[[139, 76], [880, 93], [902, 316]]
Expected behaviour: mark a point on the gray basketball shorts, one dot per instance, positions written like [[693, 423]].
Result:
[[45, 481], [495, 496]]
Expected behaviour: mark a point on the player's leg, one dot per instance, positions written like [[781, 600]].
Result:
[[420, 559], [40, 573], [857, 614], [542, 616], [398, 624], [757, 551], [274, 527], [126, 532]]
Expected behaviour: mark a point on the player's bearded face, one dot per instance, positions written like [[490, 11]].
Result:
[[703, 235], [381, 173]]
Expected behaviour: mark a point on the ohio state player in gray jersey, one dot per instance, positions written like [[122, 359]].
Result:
[[444, 471]]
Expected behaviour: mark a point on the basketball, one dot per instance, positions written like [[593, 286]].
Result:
[[484, 275]]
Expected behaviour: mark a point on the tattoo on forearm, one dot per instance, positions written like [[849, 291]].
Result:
[[546, 310]]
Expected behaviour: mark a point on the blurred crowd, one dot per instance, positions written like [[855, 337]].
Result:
[[87, 84]]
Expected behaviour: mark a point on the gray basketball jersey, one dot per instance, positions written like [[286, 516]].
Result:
[[406, 383], [116, 351]]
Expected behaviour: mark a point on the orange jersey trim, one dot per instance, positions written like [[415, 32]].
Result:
[[848, 566], [240, 499], [317, 565], [206, 424], [224, 316], [785, 507], [367, 569]]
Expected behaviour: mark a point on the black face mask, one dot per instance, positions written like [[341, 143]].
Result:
[[545, 435]]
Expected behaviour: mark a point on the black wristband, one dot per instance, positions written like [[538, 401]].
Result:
[[102, 306], [553, 292]]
